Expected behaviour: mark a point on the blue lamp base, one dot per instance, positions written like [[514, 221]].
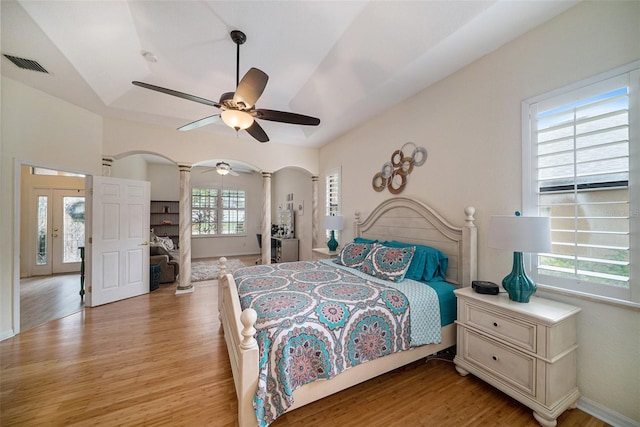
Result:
[[332, 243], [517, 284]]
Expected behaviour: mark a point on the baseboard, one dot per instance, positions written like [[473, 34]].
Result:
[[605, 414], [6, 334]]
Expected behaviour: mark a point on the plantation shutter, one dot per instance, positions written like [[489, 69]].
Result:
[[580, 168], [333, 193], [332, 198]]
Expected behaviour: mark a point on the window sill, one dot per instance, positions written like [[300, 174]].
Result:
[[629, 305]]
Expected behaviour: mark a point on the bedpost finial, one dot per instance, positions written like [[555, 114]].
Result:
[[223, 267], [248, 319], [469, 211]]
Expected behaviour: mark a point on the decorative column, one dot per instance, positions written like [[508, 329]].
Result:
[[314, 211], [185, 285], [107, 162], [266, 217]]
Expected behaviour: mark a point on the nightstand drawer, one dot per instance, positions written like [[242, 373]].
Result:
[[519, 333], [512, 367]]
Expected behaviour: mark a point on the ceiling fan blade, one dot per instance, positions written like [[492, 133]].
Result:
[[250, 87], [285, 117], [232, 172], [178, 94], [200, 123], [256, 131]]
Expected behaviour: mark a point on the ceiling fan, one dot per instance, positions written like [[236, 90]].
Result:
[[238, 108], [223, 169]]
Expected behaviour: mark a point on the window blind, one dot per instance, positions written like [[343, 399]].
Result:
[[215, 212], [581, 168], [233, 212], [333, 194], [203, 211], [332, 198]]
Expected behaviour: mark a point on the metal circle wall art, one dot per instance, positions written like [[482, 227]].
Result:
[[393, 174]]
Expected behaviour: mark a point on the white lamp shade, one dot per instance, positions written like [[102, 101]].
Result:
[[520, 233], [236, 119], [333, 222]]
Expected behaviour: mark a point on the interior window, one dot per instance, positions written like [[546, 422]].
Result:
[[215, 212], [577, 170], [332, 199]]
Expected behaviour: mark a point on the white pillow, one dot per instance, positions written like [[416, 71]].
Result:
[[166, 243]]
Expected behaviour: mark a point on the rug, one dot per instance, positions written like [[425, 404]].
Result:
[[208, 270]]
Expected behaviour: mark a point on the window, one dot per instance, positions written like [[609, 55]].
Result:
[[332, 192], [215, 212], [578, 146]]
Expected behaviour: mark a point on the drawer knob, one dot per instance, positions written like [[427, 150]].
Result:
[[495, 324], [494, 357]]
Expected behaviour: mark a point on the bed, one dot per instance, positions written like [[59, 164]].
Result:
[[398, 219]]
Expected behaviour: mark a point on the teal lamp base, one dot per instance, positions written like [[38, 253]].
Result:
[[517, 284], [332, 243]]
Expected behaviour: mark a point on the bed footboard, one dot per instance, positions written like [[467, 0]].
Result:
[[239, 331]]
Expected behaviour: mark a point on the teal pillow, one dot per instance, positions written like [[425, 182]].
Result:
[[428, 263], [388, 263], [363, 240]]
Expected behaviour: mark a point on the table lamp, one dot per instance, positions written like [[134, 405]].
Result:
[[333, 222], [520, 234]]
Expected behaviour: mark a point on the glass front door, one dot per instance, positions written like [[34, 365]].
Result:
[[59, 231]]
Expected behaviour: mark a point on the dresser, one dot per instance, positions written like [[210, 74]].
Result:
[[526, 350], [286, 249]]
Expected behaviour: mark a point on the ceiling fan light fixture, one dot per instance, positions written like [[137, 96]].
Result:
[[239, 120]]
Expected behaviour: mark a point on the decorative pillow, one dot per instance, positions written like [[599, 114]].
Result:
[[388, 263], [428, 263], [353, 254], [166, 243]]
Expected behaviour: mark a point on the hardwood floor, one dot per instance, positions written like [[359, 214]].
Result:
[[160, 359], [44, 298]]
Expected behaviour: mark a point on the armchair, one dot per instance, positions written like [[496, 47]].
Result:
[[169, 267]]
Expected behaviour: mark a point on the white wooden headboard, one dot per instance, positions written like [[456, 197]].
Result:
[[410, 221]]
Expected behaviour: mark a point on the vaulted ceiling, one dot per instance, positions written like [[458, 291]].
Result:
[[341, 61]]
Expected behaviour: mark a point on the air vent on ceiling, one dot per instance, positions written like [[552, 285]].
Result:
[[26, 64]]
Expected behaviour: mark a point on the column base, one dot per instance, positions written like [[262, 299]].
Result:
[[189, 290]]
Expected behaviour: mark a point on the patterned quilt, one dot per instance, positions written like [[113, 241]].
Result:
[[314, 321]]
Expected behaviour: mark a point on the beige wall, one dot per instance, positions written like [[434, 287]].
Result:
[[470, 125], [37, 129], [131, 167]]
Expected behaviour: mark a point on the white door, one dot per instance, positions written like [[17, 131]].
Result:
[[117, 250], [57, 230]]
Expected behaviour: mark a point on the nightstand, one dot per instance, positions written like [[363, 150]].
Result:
[[324, 253], [526, 350]]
